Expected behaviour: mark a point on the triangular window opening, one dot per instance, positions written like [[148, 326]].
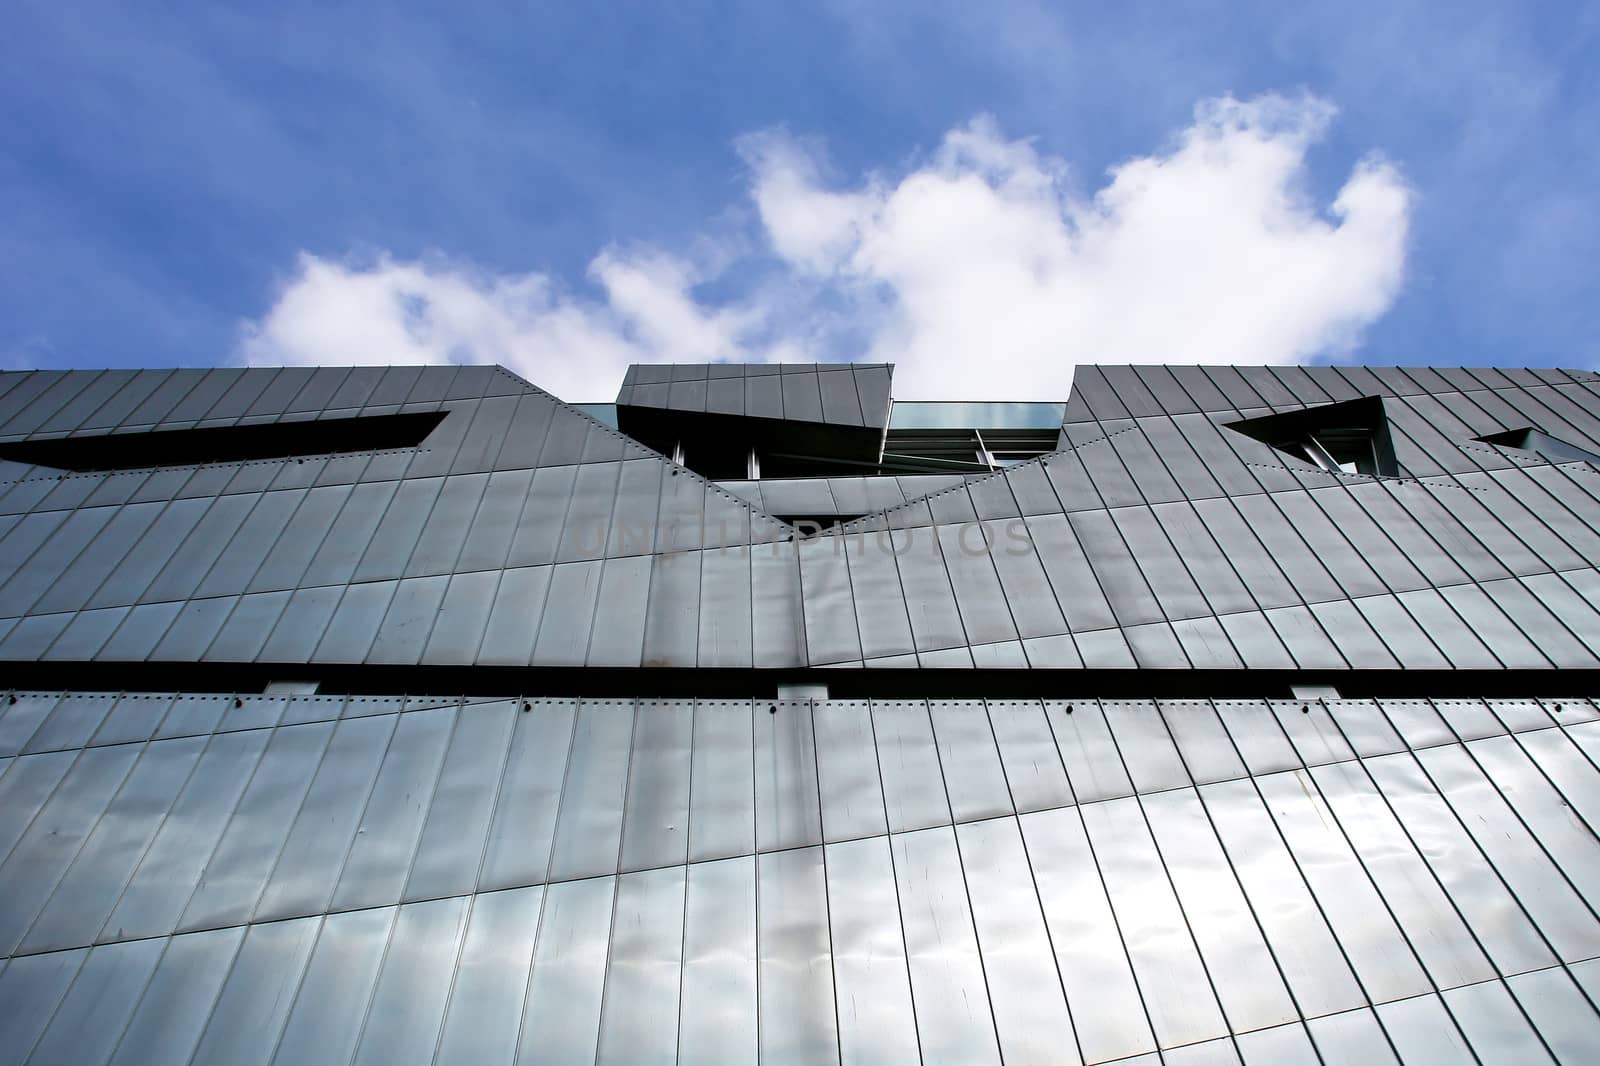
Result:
[[1540, 443], [1349, 437]]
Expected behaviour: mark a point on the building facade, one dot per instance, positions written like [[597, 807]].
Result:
[[409, 715]]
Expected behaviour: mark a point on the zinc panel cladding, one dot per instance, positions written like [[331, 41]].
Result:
[[373, 880], [235, 877]]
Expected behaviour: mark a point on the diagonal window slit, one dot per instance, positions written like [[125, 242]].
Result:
[[225, 444]]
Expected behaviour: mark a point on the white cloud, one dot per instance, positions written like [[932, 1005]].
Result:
[[979, 271]]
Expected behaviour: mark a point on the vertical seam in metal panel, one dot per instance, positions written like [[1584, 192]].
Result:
[[372, 992], [578, 706], [1283, 842], [500, 573], [1410, 752], [1444, 889], [1366, 870], [827, 903], [894, 874], [472, 896], [1233, 870], [966, 889], [366, 805], [1105, 891], [755, 871], [161, 822], [683, 926], [1172, 884], [288, 832], [1126, 547], [616, 877], [1033, 879], [1516, 813], [67, 866]]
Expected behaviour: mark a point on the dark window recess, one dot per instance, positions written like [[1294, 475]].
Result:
[[1350, 437], [225, 444], [1540, 443]]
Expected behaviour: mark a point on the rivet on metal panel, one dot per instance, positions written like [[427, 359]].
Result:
[[1069, 708]]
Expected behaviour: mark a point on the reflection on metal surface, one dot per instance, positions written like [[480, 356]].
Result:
[[606, 872], [1442, 848]]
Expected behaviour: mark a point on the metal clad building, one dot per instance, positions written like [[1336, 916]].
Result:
[[409, 715]]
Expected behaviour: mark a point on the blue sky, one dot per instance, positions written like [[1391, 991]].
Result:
[[564, 188]]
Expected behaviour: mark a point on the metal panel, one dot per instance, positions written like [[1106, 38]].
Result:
[[97, 1007], [237, 870], [1308, 956], [722, 796], [81, 901], [829, 605], [258, 993], [1404, 880], [1485, 903], [1027, 591], [1146, 747], [325, 1022], [656, 816], [407, 1009], [1245, 973], [561, 1020], [985, 615], [935, 619], [589, 826], [518, 848], [451, 848], [1208, 753], [1176, 987], [31, 988], [514, 620], [718, 1003], [1563, 1017], [568, 615], [802, 398], [876, 1022], [847, 770], [1496, 1029], [341, 551], [1028, 754], [788, 807], [385, 841], [45, 850], [1374, 945], [491, 978], [969, 761], [308, 868], [725, 606], [880, 605], [1084, 740], [1254, 729], [954, 1022], [778, 626], [1030, 1011], [908, 761], [1561, 914], [439, 542], [172, 1012], [639, 1019], [672, 615]]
